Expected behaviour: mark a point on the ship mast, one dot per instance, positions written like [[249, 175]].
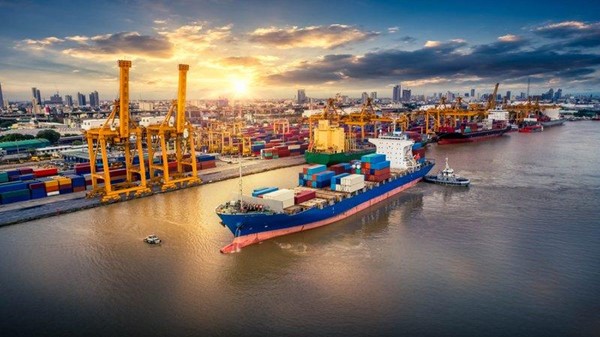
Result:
[[240, 179]]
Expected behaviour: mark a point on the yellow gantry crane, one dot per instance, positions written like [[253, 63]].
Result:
[[118, 132], [365, 117], [330, 113], [177, 130]]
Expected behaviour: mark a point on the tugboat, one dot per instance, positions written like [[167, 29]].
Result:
[[447, 177], [152, 239]]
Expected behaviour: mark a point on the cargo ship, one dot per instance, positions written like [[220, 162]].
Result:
[[473, 132], [324, 195], [550, 118]]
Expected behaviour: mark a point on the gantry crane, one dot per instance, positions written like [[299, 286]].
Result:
[[330, 113], [175, 128], [118, 132], [491, 103], [365, 117]]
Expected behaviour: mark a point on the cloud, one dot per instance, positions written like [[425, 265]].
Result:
[[327, 37], [194, 37], [38, 44], [117, 44], [77, 38], [574, 34], [242, 61], [440, 61], [393, 30], [563, 29], [407, 39], [160, 22], [509, 38]]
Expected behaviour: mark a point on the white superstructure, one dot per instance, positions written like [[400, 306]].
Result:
[[397, 149]]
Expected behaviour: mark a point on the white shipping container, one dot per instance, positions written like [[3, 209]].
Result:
[[294, 147], [282, 194], [352, 179], [353, 188]]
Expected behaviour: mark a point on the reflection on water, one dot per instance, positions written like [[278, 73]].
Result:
[[514, 254]]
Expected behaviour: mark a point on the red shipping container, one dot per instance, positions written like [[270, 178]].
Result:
[[25, 170], [48, 172], [383, 171], [304, 196]]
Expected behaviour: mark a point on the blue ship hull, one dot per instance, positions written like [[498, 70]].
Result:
[[247, 224]]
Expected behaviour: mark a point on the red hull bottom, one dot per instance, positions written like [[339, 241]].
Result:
[[246, 240]]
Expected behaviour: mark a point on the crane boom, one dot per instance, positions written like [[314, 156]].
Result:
[[124, 97], [181, 92]]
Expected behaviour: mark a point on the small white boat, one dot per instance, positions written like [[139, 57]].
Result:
[[447, 177], [152, 239]]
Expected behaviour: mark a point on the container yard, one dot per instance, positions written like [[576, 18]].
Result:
[[243, 168]]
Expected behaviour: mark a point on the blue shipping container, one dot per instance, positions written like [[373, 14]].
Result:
[[380, 165], [12, 186]]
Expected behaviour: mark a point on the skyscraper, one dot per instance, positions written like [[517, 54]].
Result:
[[35, 93], [508, 94], [557, 94], [301, 96], [373, 95], [472, 92], [94, 100], [1, 97], [405, 95], [69, 100], [80, 99], [365, 97], [396, 93]]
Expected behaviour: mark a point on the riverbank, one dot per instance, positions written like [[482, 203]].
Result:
[[42, 208]]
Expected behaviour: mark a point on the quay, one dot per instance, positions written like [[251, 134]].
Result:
[[42, 208]]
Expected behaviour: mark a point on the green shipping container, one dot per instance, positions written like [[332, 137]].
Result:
[[3, 177]]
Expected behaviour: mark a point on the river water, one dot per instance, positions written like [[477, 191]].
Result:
[[515, 254]]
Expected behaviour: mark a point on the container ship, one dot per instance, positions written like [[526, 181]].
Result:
[[550, 118], [324, 195], [473, 132]]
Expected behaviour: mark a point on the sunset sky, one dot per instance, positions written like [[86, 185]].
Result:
[[269, 49]]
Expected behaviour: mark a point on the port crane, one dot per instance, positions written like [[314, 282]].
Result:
[[367, 116], [118, 131], [177, 130]]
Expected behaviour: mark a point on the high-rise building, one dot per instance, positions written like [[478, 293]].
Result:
[[69, 100], [472, 92], [80, 99], [396, 93], [523, 95], [94, 101], [365, 97], [373, 95], [36, 95], [508, 95], [557, 94], [54, 100], [405, 95], [301, 96], [1, 97]]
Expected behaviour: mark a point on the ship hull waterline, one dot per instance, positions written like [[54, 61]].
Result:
[[256, 228], [455, 138]]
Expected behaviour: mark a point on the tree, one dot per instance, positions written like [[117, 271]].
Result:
[[50, 135], [77, 142], [13, 137]]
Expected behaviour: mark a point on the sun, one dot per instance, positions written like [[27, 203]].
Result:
[[240, 86]]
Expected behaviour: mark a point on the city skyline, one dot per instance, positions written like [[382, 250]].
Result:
[[323, 48]]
